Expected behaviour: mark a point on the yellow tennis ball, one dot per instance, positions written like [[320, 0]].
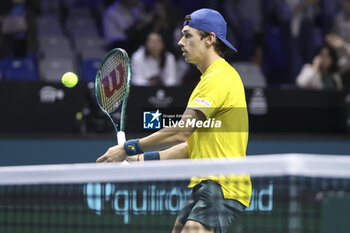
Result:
[[69, 79], [78, 116]]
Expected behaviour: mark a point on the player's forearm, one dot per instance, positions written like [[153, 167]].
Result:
[[172, 136], [176, 152], [165, 138]]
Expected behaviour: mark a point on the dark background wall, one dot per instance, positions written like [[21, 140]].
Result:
[[62, 125], [26, 151]]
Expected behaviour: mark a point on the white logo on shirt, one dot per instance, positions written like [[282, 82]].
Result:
[[202, 101]]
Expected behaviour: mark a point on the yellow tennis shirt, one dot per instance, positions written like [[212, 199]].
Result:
[[220, 96]]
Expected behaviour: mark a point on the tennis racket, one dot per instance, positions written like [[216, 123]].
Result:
[[112, 87]]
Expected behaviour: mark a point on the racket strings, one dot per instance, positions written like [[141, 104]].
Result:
[[115, 63]]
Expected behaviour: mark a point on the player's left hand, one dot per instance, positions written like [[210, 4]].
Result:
[[113, 154]]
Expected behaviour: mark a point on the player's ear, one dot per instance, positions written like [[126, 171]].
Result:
[[211, 39]]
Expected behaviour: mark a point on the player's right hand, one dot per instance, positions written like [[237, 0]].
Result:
[[113, 154], [316, 62], [335, 40]]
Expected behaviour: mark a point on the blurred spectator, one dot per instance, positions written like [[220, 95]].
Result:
[[5, 38], [245, 18], [339, 39], [124, 24], [166, 19], [323, 73], [300, 32], [341, 24], [330, 9], [14, 28], [343, 51], [152, 65]]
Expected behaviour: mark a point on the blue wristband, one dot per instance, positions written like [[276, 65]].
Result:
[[132, 147], [153, 155]]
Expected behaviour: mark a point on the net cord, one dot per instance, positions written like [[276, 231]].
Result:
[[306, 165]]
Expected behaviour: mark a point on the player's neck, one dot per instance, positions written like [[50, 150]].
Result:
[[207, 61]]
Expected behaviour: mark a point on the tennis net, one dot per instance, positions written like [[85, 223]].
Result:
[[291, 193]]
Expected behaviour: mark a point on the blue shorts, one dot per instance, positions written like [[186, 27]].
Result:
[[208, 206]]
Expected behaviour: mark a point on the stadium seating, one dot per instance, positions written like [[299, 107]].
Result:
[[250, 73], [49, 25], [87, 43], [51, 70], [19, 69], [89, 69]]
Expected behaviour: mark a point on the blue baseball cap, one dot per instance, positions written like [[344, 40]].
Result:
[[209, 20]]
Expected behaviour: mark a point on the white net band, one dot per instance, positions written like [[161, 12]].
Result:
[[331, 166]]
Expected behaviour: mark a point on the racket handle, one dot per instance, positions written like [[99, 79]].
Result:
[[124, 163], [121, 137], [121, 140]]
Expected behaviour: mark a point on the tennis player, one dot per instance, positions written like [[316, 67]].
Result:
[[215, 201]]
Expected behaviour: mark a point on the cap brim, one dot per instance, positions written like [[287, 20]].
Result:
[[229, 45]]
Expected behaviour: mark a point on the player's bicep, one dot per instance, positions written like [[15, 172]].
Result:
[[193, 113], [205, 105], [187, 124], [191, 116]]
